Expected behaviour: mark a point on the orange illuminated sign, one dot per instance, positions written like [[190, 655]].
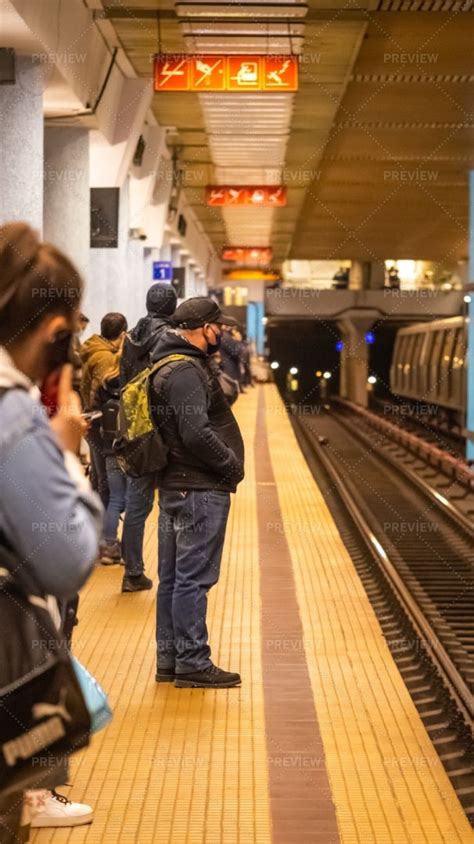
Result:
[[225, 73], [250, 275], [281, 73], [244, 73], [256, 196], [247, 254], [172, 73], [208, 73]]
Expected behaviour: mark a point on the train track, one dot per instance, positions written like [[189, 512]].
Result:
[[415, 557], [413, 418], [443, 473]]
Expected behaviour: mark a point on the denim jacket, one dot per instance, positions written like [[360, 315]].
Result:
[[48, 514]]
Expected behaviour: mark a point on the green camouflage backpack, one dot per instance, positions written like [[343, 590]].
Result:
[[139, 446]]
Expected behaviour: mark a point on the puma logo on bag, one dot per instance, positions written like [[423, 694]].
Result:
[[43, 710], [45, 734]]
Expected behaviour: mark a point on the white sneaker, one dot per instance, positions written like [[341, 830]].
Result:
[[59, 811]]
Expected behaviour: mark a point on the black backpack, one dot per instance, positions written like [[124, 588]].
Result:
[[109, 421]]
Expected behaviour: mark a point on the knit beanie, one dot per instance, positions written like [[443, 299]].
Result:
[[161, 299]]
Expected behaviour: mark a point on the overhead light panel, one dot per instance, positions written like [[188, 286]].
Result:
[[242, 10], [230, 29], [252, 45]]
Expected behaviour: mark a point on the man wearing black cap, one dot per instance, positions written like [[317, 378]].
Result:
[[205, 464], [137, 352]]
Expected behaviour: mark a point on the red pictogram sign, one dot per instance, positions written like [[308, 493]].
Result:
[[264, 196], [281, 73], [225, 73], [172, 73], [244, 73], [208, 73]]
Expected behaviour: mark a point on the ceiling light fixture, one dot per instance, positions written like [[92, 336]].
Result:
[[242, 10]]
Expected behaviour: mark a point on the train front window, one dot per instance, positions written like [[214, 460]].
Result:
[[434, 369], [415, 364], [445, 365], [457, 374], [408, 363], [424, 358]]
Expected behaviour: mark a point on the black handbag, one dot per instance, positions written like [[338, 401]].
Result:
[[43, 715]]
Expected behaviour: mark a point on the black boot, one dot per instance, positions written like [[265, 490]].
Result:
[[211, 678], [136, 583]]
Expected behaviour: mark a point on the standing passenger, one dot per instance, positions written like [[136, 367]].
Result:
[[137, 353], [98, 354], [107, 399], [231, 352], [41, 481], [205, 464]]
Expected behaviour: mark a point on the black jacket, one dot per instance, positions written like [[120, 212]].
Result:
[[231, 354], [107, 399], [206, 450], [139, 346]]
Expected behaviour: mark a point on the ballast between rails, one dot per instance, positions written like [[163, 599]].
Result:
[[439, 658]]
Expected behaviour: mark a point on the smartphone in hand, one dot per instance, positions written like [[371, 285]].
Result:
[[91, 415]]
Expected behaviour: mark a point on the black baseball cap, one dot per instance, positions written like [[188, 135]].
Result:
[[198, 311]]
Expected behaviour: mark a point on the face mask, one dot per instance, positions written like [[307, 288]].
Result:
[[58, 352], [214, 347]]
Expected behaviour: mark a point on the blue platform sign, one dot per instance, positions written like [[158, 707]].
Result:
[[162, 271]]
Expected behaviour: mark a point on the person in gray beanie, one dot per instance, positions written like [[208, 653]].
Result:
[[137, 353]]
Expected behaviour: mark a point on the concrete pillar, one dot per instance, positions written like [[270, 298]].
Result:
[[21, 145], [354, 360], [190, 279], [176, 255], [67, 193], [470, 330], [376, 275], [359, 275], [165, 250], [201, 286], [188, 275], [149, 256]]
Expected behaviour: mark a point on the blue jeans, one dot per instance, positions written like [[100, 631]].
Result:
[[98, 462], [117, 481], [141, 494], [191, 531]]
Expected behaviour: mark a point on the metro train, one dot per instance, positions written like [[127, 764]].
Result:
[[429, 365]]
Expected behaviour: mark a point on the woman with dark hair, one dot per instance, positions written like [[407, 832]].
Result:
[[49, 518]]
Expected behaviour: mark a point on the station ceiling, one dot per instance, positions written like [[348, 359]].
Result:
[[375, 147]]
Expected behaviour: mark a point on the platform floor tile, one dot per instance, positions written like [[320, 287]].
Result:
[[387, 782], [176, 766]]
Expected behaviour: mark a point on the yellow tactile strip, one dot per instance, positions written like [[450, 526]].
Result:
[[302, 808], [177, 765], [387, 782]]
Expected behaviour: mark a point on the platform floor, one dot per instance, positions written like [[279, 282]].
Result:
[[320, 744]]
